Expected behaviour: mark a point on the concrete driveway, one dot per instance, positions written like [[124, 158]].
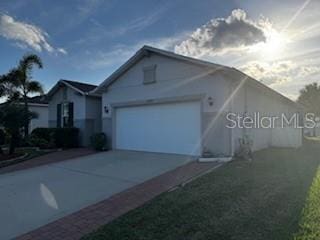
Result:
[[34, 197]]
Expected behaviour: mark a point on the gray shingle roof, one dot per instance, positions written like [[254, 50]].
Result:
[[38, 99], [83, 87]]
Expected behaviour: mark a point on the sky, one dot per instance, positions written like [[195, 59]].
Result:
[[276, 42]]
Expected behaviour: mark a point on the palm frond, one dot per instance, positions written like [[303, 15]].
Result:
[[9, 83], [34, 87], [12, 77], [14, 96], [27, 63], [29, 60], [18, 81]]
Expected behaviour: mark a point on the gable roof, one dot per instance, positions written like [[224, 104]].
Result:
[[234, 73], [80, 87], [84, 87], [145, 51], [42, 99]]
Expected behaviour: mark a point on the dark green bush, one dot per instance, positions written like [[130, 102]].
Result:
[[66, 137], [40, 142], [55, 137], [43, 133], [24, 142], [98, 141]]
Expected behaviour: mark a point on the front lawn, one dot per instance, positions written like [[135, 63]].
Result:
[[262, 199]]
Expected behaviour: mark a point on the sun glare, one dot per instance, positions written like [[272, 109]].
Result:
[[274, 45]]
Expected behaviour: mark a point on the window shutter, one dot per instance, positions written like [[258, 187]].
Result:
[[70, 124], [59, 115]]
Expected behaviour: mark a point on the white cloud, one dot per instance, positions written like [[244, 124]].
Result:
[[98, 32], [62, 50], [140, 23], [279, 72], [87, 7], [107, 58], [121, 53], [25, 35], [221, 35]]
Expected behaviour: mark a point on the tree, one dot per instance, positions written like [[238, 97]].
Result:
[[20, 83], [310, 98], [12, 118]]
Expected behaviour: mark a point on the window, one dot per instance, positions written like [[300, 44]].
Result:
[[149, 74], [65, 114]]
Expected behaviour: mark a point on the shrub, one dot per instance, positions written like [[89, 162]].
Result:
[[24, 142], [2, 137], [43, 133], [98, 141], [66, 137], [40, 142], [55, 137], [43, 137]]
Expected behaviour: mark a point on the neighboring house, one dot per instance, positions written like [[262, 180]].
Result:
[[72, 105], [159, 101], [39, 105]]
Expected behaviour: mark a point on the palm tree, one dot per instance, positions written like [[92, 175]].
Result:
[[12, 118], [21, 84]]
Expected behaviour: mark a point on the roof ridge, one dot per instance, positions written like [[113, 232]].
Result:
[[67, 80], [144, 50], [150, 48]]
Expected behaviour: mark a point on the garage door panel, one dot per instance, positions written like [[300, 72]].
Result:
[[169, 128]]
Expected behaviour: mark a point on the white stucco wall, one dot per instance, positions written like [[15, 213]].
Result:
[[175, 79], [87, 112], [93, 108], [43, 117], [93, 117], [251, 99], [72, 96]]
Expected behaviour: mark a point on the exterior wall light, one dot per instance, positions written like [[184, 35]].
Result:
[[210, 101], [106, 109]]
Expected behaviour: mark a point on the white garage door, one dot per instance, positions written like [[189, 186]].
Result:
[[166, 128]]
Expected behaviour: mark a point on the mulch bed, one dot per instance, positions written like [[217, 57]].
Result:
[[5, 157], [44, 159], [7, 160]]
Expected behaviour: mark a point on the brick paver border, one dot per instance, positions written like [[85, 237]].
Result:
[[88, 219]]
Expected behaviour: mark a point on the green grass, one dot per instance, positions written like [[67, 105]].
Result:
[[310, 221], [262, 199]]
